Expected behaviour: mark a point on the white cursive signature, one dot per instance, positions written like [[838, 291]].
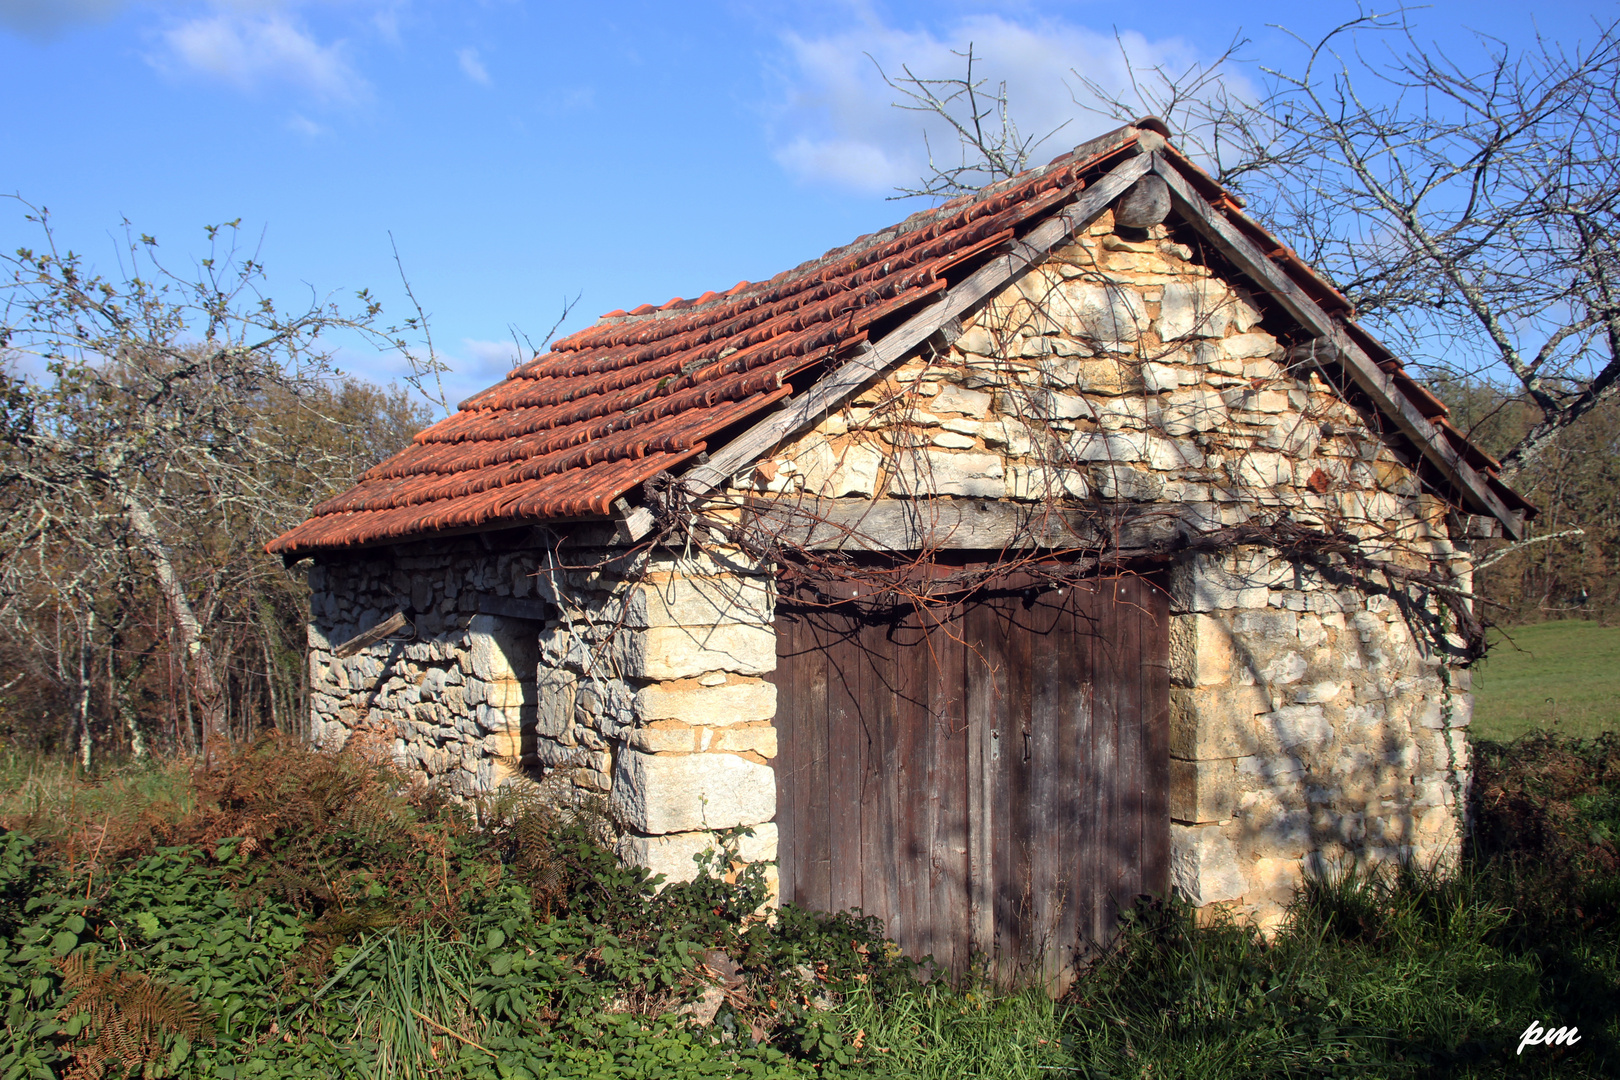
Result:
[[1535, 1035]]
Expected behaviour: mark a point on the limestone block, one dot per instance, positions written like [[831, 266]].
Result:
[[1201, 308], [672, 856], [979, 341], [1204, 866], [1248, 347], [834, 472], [1122, 414], [1160, 378], [981, 475], [1106, 313], [1168, 455], [1437, 821], [1279, 877], [1263, 470], [1201, 652], [507, 693], [1302, 727], [1110, 377], [1451, 711], [950, 440], [1322, 691], [1297, 436], [710, 706], [502, 648], [1215, 721], [682, 600], [1128, 483], [554, 697], [678, 652], [761, 847], [1013, 435], [1284, 833], [954, 399], [1108, 446], [759, 739], [503, 744], [1190, 411], [492, 719], [1202, 791], [1203, 584], [665, 737], [1276, 626], [1046, 405], [675, 855], [1285, 669], [1271, 772], [667, 793], [1038, 483]]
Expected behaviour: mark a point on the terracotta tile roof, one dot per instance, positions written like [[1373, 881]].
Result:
[[607, 408], [638, 393]]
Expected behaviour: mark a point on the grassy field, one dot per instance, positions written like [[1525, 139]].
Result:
[[1553, 676]]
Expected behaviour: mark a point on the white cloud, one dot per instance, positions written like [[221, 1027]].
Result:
[[838, 126], [485, 363], [472, 66], [44, 18], [249, 48], [304, 126]]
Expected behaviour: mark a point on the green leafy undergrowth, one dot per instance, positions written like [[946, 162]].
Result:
[[301, 914], [317, 916]]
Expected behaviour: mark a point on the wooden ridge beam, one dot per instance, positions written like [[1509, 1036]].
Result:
[[1333, 345], [837, 386]]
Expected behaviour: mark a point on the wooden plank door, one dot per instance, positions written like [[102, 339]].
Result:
[[988, 779]]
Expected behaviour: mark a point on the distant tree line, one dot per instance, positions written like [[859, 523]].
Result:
[[156, 429], [1574, 481]]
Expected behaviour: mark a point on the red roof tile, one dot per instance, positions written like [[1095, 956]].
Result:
[[570, 431], [574, 429]]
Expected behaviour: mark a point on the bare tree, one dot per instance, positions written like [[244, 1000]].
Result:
[[1466, 206], [989, 146], [137, 442]]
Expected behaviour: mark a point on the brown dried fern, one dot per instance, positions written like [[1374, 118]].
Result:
[[129, 1014]]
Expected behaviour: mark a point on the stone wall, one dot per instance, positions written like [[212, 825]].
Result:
[[637, 681], [456, 701], [1316, 719], [1118, 372], [1314, 725]]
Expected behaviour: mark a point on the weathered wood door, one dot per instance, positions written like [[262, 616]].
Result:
[[990, 779]]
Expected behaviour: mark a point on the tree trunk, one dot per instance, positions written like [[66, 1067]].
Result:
[[86, 634], [205, 675]]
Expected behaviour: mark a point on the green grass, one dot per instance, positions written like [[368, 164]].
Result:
[[1553, 676]]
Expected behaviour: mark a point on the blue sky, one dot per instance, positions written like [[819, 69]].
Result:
[[523, 152]]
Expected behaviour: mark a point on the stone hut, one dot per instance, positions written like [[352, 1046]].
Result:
[[1066, 542]]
